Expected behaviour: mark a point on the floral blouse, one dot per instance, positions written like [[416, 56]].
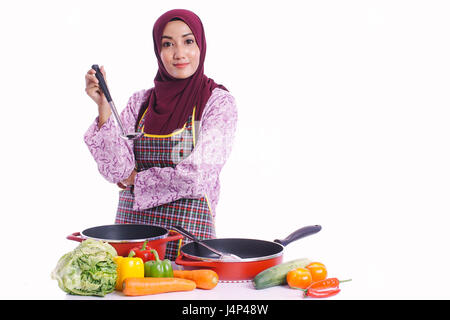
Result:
[[194, 177]]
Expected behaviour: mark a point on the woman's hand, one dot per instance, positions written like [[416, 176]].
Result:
[[128, 181], [93, 90]]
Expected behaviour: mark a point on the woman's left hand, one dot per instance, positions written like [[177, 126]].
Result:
[[128, 181]]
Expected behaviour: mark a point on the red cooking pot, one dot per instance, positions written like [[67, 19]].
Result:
[[124, 237], [255, 255]]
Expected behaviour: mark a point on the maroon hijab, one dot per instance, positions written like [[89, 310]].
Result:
[[172, 100]]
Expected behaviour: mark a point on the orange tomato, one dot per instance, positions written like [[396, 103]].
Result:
[[318, 271], [299, 278]]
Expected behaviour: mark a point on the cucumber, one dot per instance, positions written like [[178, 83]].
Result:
[[276, 275]]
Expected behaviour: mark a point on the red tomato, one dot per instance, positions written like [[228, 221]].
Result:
[[318, 271], [299, 278]]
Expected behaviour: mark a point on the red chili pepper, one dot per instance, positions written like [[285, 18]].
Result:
[[321, 293], [324, 288], [143, 252]]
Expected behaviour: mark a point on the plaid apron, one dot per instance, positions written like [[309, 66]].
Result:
[[192, 214]]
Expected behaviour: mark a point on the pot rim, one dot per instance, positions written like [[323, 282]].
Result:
[[232, 260], [260, 258], [126, 240]]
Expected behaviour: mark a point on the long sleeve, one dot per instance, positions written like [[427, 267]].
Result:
[[198, 174], [113, 154]]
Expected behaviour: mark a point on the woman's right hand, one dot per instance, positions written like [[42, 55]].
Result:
[[93, 90]]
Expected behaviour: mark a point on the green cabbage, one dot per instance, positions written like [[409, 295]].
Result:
[[87, 270]]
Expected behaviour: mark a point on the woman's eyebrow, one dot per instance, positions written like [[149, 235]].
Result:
[[184, 35]]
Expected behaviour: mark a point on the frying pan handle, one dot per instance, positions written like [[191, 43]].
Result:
[[102, 82], [75, 237], [298, 234]]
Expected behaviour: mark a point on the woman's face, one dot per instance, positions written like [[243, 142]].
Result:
[[180, 53]]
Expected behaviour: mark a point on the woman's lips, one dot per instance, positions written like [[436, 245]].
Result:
[[181, 65]]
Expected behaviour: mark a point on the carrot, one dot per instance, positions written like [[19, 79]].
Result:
[[149, 285], [203, 278]]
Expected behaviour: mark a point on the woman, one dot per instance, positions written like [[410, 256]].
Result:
[[170, 176]]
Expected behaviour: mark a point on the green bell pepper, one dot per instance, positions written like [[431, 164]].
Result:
[[157, 268]]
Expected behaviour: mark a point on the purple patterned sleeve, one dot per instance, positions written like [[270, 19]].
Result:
[[198, 174], [114, 155]]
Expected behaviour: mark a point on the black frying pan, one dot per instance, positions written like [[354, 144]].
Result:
[[257, 255]]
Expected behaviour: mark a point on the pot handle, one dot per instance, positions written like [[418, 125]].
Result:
[[298, 234], [175, 236], [171, 237], [75, 237]]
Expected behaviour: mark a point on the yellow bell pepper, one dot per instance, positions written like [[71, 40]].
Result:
[[128, 268]]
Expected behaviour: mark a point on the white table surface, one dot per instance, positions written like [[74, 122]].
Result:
[[223, 291]]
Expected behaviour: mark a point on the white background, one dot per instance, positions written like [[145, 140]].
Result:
[[343, 122]]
